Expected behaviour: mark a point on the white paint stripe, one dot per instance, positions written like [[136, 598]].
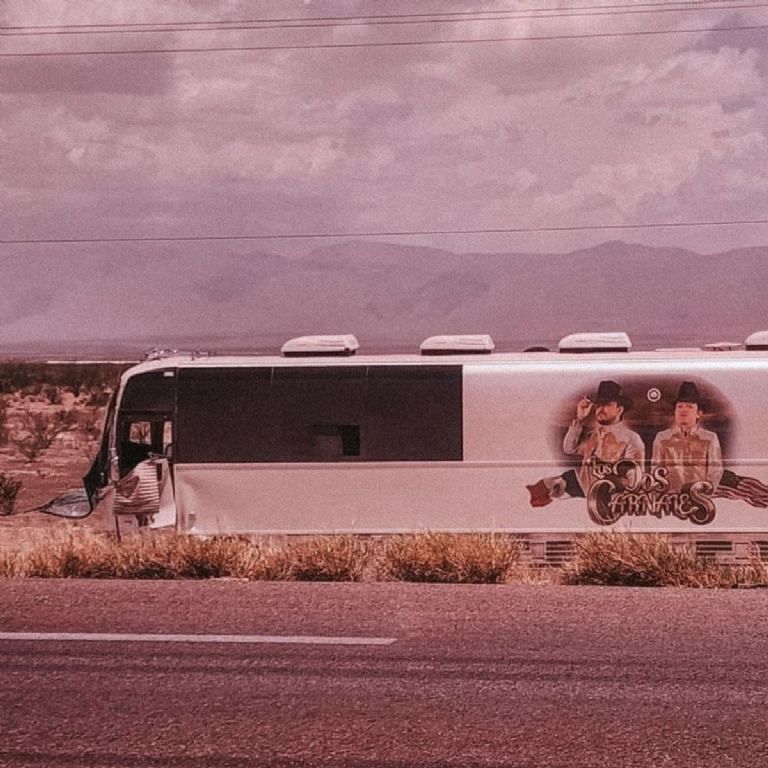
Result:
[[243, 639]]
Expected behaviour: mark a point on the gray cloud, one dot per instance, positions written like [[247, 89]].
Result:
[[24, 302], [741, 40], [140, 75]]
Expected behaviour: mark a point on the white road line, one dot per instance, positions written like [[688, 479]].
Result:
[[145, 638]]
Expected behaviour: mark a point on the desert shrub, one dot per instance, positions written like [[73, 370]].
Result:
[[14, 376], [637, 560], [451, 558], [9, 490], [52, 393], [34, 389], [159, 555], [58, 557], [4, 428], [321, 558], [190, 557], [98, 397], [66, 419], [90, 423], [31, 377], [156, 555], [650, 560], [39, 431], [80, 377], [478, 558]]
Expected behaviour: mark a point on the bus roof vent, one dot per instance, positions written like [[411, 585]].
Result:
[[457, 345], [595, 342], [160, 353], [315, 346], [722, 346], [757, 341]]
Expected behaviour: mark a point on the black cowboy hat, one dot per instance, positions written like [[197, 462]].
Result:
[[689, 393], [610, 392]]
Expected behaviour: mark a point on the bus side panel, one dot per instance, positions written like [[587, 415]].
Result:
[[319, 498], [391, 499]]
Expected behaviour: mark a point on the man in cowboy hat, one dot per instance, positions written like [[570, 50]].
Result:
[[688, 451], [609, 440]]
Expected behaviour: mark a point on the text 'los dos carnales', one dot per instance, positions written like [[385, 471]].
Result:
[[624, 489]]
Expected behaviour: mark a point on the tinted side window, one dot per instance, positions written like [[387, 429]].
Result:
[[225, 415], [152, 392], [320, 414], [414, 413]]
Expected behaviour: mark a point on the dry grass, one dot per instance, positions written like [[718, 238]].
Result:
[[606, 559], [451, 559], [151, 557], [166, 556], [443, 558], [9, 490], [326, 558], [652, 561]]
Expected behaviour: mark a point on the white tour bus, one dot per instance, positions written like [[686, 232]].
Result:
[[459, 438]]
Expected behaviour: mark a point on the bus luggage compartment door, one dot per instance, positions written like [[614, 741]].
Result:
[[144, 497]]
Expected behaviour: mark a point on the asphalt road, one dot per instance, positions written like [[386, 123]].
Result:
[[459, 676]]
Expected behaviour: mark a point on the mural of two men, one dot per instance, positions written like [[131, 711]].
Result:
[[686, 451]]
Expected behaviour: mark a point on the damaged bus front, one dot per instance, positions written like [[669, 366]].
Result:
[[129, 484]]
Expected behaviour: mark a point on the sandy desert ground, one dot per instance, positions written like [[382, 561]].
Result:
[[73, 430]]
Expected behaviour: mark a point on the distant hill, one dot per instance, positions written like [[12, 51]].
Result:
[[388, 295]]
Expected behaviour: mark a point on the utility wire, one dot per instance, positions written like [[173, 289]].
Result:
[[391, 44], [259, 25], [476, 12], [384, 233]]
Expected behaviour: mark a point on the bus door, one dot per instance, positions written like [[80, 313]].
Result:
[[143, 495], [139, 491]]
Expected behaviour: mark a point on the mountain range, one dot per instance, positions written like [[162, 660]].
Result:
[[121, 299]]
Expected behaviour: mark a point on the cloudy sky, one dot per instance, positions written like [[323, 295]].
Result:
[[578, 126]]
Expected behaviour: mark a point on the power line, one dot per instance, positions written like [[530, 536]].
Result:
[[386, 233], [255, 25], [391, 44], [363, 17]]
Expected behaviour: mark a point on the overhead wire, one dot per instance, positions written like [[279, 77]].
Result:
[[489, 12], [391, 44], [386, 233], [312, 23]]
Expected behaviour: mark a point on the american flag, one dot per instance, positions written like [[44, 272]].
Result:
[[740, 488]]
